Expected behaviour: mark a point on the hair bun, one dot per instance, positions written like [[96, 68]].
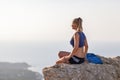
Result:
[[79, 19]]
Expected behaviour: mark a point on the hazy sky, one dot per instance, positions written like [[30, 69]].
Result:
[[50, 20]]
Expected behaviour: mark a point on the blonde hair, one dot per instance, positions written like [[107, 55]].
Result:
[[78, 21]]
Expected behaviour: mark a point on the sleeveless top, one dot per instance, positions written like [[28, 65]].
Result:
[[81, 40]]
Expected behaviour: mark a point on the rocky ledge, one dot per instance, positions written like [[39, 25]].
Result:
[[109, 70]]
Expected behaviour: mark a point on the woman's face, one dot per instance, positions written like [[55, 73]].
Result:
[[74, 26]]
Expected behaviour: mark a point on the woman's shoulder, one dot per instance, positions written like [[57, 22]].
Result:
[[80, 33], [76, 33]]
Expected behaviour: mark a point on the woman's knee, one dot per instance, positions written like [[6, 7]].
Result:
[[60, 54]]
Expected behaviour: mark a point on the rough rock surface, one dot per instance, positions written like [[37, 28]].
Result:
[[109, 70]]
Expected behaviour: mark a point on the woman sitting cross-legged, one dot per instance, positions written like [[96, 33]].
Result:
[[79, 43]]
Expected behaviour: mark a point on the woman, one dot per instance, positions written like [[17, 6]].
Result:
[[79, 43]]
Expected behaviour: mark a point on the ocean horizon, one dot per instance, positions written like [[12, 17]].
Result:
[[40, 55]]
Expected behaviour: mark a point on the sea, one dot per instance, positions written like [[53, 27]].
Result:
[[44, 54]]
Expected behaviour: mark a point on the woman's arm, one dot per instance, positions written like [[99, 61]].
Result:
[[86, 47], [76, 44], [85, 50]]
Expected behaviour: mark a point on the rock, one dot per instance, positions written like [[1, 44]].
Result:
[[109, 70]]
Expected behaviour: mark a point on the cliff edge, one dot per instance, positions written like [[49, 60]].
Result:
[[109, 70]]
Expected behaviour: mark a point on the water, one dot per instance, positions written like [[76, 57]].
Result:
[[43, 54]]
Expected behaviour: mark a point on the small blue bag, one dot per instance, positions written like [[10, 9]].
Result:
[[92, 58]]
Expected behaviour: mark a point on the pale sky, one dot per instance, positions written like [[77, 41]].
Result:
[[50, 20]]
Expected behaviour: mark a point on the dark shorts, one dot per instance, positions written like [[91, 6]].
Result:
[[76, 60]]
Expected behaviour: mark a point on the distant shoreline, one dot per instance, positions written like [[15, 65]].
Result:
[[17, 71]]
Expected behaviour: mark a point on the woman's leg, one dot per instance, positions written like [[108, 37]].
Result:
[[63, 53], [62, 60]]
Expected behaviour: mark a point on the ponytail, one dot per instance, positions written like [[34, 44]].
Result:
[[80, 28]]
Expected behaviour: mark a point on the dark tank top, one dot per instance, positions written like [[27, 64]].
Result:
[[81, 40]]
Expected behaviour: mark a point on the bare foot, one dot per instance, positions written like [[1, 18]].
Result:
[[61, 60]]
